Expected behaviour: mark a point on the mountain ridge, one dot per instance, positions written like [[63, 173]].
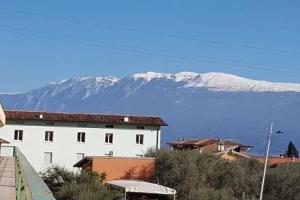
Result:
[[194, 105], [211, 80]]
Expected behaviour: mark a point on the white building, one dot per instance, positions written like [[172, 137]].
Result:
[[62, 139]]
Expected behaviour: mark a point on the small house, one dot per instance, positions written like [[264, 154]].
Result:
[[209, 145]]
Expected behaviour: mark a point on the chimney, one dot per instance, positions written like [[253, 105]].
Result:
[[126, 119]]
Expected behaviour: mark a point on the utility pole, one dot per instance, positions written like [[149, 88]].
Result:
[[266, 163]]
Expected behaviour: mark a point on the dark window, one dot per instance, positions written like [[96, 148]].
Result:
[[140, 127], [109, 138], [81, 137], [139, 139], [18, 135], [109, 126], [49, 136], [50, 123]]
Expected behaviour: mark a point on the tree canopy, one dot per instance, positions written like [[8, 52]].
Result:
[[292, 150], [68, 185], [206, 177]]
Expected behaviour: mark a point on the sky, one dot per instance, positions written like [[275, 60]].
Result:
[[51, 40]]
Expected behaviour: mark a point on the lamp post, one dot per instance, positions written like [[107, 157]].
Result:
[[266, 162]]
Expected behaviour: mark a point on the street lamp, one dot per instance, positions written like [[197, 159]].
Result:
[[266, 162]]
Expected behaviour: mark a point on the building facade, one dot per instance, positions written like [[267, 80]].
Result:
[[209, 145], [2, 116], [116, 168], [48, 139]]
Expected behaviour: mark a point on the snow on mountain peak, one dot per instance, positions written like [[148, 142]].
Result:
[[185, 76], [148, 76], [213, 81], [227, 82], [108, 80], [216, 81]]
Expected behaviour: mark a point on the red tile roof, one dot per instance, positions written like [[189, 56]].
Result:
[[204, 142], [278, 160], [83, 117], [86, 159]]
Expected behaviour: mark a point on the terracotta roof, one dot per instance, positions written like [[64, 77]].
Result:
[[204, 142], [278, 160], [87, 159], [84, 117]]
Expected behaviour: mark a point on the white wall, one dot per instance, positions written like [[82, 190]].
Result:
[[65, 146]]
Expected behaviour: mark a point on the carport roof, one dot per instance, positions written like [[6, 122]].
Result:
[[137, 186]]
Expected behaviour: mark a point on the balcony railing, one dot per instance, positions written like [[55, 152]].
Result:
[[29, 185]]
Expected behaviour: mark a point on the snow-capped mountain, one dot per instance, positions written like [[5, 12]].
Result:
[[220, 82], [194, 105]]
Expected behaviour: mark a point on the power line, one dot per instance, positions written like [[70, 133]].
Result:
[[166, 35], [140, 50]]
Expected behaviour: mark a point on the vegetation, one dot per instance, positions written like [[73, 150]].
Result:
[[194, 176], [292, 151], [206, 177], [67, 185]]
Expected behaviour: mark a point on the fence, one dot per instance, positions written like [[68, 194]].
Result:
[[29, 185]]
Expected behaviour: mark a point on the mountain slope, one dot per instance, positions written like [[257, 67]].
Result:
[[194, 105]]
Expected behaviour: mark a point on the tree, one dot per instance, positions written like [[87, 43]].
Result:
[[67, 185], [206, 177], [292, 150]]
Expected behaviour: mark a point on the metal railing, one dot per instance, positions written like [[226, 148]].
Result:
[[29, 185]]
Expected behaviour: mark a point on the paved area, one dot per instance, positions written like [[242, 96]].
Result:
[[7, 178]]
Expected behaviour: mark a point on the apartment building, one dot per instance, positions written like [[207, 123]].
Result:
[[49, 138]]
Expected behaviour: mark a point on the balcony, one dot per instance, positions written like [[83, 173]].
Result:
[[18, 179]]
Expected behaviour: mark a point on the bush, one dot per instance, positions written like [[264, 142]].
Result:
[[67, 185]]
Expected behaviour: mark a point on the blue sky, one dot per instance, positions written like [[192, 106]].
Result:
[[51, 40]]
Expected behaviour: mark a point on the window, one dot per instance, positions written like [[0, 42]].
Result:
[[49, 136], [139, 139], [108, 138], [140, 127], [109, 126], [48, 158], [221, 147], [81, 137], [79, 156], [18, 135]]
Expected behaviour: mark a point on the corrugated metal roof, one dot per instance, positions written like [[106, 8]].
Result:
[[136, 186]]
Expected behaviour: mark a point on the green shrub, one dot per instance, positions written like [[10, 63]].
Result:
[[67, 185]]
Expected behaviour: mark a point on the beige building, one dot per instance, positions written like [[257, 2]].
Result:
[[2, 116], [209, 145]]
